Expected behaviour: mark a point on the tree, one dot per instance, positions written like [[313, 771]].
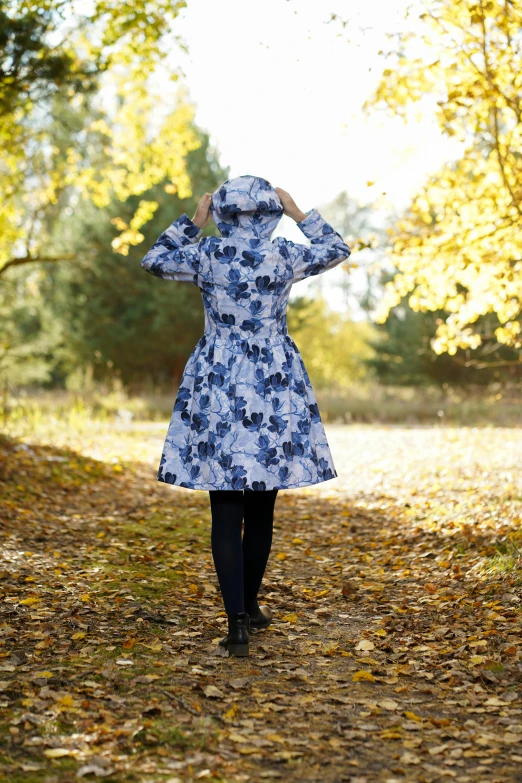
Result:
[[403, 355], [31, 68], [334, 349], [114, 318], [30, 335], [104, 62], [458, 248]]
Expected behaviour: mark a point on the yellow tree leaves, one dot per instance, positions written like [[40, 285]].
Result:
[[119, 141], [459, 247], [130, 234]]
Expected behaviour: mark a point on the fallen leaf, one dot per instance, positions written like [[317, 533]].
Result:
[[365, 644], [212, 692], [388, 704], [413, 716], [363, 675]]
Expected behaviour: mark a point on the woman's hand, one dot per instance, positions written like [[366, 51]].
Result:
[[202, 213], [290, 208]]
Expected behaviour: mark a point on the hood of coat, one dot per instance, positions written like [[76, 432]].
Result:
[[248, 205]]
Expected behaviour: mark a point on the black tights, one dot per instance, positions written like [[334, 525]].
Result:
[[240, 562]]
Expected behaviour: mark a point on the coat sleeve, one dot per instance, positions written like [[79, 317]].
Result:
[[327, 248], [173, 256]]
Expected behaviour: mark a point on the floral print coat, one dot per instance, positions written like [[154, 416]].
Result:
[[245, 415]]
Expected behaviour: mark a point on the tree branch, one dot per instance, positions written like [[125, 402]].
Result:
[[496, 133], [37, 259], [476, 364]]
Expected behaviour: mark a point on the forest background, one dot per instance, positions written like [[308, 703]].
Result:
[[101, 151]]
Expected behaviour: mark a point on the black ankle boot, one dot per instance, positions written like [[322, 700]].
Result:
[[260, 616], [237, 639]]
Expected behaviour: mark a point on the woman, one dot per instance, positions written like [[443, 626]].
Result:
[[245, 422]]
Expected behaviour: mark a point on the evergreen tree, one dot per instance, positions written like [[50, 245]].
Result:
[[118, 318]]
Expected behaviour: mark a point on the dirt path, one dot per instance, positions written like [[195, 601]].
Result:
[[395, 654]]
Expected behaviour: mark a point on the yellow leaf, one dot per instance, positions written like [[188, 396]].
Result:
[[289, 618], [232, 712], [413, 716], [329, 648], [57, 753], [66, 701], [381, 632], [29, 601], [363, 675], [85, 598], [79, 635], [275, 738], [44, 674], [281, 556], [390, 734], [297, 541], [237, 737]]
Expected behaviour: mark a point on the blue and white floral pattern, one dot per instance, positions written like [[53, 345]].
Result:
[[245, 415]]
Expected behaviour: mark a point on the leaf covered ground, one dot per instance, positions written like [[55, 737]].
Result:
[[395, 654]]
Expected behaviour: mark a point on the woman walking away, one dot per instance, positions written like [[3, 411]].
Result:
[[245, 422]]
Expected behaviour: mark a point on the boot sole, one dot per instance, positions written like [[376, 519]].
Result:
[[240, 650], [260, 627]]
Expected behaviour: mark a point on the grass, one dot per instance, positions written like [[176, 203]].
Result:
[[147, 552], [426, 406], [28, 410], [159, 731], [503, 563]]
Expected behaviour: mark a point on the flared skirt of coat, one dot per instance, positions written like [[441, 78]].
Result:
[[245, 417]]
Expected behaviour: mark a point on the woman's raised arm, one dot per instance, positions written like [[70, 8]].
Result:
[[327, 248], [174, 256]]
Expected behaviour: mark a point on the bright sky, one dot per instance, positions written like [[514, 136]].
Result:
[[279, 90]]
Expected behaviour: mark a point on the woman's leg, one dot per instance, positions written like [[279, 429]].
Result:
[[257, 540], [227, 509]]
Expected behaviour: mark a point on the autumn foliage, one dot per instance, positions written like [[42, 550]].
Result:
[[459, 249]]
